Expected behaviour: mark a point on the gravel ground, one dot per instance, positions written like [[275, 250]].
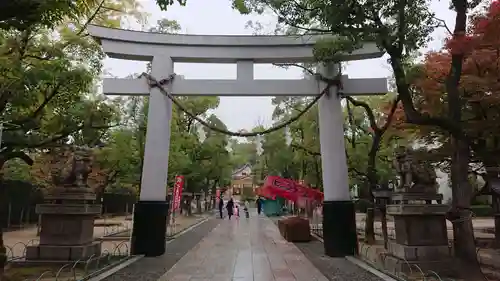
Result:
[[335, 269], [150, 269]]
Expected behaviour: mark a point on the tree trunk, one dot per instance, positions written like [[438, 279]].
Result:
[[497, 219], [491, 176], [189, 207], [496, 213], [21, 218], [198, 205], [3, 255], [372, 184], [384, 226], [460, 215], [214, 191], [370, 226], [3, 249], [371, 169], [319, 182], [462, 191]]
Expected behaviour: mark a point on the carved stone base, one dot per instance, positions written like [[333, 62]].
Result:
[[419, 253], [405, 269], [71, 193], [66, 230], [420, 224], [63, 253], [405, 197], [69, 209]]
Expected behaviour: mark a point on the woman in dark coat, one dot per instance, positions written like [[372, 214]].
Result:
[[230, 207], [259, 205]]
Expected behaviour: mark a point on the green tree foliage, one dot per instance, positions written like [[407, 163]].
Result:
[[49, 69], [242, 153], [48, 86], [203, 164], [164, 4]]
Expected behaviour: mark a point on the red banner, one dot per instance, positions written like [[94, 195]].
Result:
[[177, 194], [289, 189]]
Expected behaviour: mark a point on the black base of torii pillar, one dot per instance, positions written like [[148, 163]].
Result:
[[339, 228], [149, 230]]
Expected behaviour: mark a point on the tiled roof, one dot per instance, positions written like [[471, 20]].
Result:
[[241, 177], [241, 168]]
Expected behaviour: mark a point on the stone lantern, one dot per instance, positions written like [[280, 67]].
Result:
[[419, 220]]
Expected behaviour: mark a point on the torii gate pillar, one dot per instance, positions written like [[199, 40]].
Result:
[[151, 211], [339, 218]]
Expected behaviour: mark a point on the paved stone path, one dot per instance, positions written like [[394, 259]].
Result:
[[150, 269], [244, 250]]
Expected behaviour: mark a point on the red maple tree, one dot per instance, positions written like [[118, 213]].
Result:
[[479, 84]]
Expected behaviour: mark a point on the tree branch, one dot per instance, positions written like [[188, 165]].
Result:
[[91, 18], [442, 23], [368, 110], [371, 115], [9, 155], [313, 153], [356, 171], [57, 137], [391, 114], [413, 116], [337, 81], [37, 111]]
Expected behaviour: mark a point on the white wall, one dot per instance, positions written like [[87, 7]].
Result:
[[444, 185]]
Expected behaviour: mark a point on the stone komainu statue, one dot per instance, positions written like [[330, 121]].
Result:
[[415, 174], [71, 166]]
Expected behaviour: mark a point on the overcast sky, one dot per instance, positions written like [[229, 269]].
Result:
[[217, 17]]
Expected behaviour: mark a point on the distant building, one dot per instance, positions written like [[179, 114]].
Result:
[[242, 178]]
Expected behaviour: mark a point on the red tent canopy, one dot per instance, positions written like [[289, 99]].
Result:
[[289, 189], [265, 193]]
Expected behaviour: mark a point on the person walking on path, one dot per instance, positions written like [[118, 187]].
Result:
[[259, 205], [245, 208], [237, 210], [229, 207], [221, 206]]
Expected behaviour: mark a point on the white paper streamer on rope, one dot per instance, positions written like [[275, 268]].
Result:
[[258, 145], [288, 136], [200, 131], [229, 147]]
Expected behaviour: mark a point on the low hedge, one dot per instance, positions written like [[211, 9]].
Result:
[[361, 206], [482, 210]]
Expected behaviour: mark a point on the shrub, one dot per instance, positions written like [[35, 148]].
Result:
[[482, 210]]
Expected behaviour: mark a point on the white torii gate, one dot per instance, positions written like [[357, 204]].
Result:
[[150, 213]]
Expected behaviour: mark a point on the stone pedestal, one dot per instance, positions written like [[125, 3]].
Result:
[[421, 234], [67, 226]]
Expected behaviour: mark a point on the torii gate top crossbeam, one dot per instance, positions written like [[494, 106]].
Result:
[[138, 45], [244, 51]]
